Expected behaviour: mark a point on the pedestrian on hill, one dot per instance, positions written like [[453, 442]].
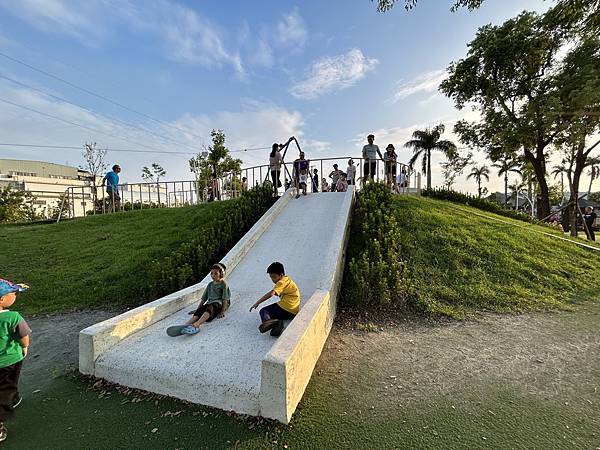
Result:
[[275, 167], [286, 308], [342, 184], [244, 184], [370, 152], [351, 172], [402, 180], [335, 176], [315, 181], [390, 159], [14, 343], [111, 180], [300, 174], [589, 218], [324, 185]]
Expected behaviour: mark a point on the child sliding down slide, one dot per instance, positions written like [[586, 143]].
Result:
[[286, 308], [215, 301]]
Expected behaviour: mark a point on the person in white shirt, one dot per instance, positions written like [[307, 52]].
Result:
[[351, 172], [370, 152], [402, 181]]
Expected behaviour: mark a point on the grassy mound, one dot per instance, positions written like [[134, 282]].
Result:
[[461, 263], [107, 261]]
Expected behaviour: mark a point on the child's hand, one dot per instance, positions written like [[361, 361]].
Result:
[[25, 351], [254, 306]]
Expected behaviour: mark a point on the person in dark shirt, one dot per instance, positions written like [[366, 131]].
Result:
[[590, 218]]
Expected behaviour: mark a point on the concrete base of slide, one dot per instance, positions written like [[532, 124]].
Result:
[[229, 364]]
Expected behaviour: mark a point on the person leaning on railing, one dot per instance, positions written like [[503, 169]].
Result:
[[111, 179], [369, 154]]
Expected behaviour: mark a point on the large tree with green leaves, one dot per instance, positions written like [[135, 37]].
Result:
[[426, 141], [16, 205], [525, 102]]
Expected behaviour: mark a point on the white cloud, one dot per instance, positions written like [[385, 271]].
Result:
[[59, 16], [255, 124], [333, 73], [291, 30], [427, 82]]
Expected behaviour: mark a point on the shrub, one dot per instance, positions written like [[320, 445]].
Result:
[[190, 262], [375, 273], [475, 202]]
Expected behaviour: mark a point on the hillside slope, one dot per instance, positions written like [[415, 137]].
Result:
[[461, 262]]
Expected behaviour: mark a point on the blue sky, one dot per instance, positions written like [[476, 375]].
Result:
[[327, 72]]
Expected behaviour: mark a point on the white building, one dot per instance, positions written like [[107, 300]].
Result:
[[45, 181]]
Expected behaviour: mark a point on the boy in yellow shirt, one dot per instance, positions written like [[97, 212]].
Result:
[[286, 308]]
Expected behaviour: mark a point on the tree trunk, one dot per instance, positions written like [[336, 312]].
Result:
[[428, 169], [478, 187], [505, 188], [539, 166]]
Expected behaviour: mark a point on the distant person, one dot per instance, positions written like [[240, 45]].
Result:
[[215, 301], [244, 184], [590, 217], [286, 308], [370, 152], [275, 168], [351, 172], [315, 181], [111, 179], [335, 176], [14, 343], [342, 184], [324, 185], [390, 158], [402, 180], [300, 174]]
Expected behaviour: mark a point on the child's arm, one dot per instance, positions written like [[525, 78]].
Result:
[[264, 298], [226, 301], [24, 341]]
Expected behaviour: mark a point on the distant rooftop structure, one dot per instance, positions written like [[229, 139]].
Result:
[[40, 169]]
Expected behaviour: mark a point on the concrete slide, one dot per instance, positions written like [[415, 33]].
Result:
[[229, 364]]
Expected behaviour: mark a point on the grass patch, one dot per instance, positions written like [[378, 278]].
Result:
[[461, 263], [99, 261]]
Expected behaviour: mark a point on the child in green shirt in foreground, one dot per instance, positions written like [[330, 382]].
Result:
[[286, 308], [14, 342]]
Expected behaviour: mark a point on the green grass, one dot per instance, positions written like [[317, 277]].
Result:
[[462, 263], [96, 262]]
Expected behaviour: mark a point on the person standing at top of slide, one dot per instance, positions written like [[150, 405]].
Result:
[[275, 168], [111, 180], [370, 152]]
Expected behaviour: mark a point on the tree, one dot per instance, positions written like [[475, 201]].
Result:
[[95, 164], [594, 172], [524, 102], [505, 165], [154, 176], [478, 173], [16, 205], [426, 141], [561, 170], [453, 167], [578, 15], [215, 162]]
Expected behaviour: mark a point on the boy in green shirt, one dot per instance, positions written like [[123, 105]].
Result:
[[14, 341]]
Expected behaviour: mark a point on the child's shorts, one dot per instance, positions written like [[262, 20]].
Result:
[[213, 310]]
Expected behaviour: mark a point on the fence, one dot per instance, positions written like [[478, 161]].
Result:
[[80, 201]]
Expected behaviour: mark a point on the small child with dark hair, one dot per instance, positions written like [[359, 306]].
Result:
[[215, 301], [14, 342], [286, 308]]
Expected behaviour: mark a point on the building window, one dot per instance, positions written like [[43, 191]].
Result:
[[39, 202], [24, 174]]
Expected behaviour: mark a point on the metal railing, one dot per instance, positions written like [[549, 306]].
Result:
[[81, 201]]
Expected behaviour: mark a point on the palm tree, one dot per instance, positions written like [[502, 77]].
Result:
[[594, 172], [478, 173], [505, 166], [557, 170], [424, 142], [516, 189]]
